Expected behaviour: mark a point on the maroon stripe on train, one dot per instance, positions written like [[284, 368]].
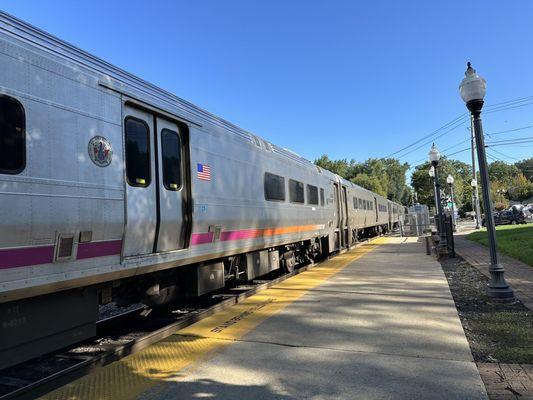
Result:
[[23, 257], [99, 249], [12, 258]]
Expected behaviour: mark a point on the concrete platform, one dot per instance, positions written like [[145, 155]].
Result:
[[375, 323]]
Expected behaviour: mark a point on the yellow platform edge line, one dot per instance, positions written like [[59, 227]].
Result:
[[134, 374]]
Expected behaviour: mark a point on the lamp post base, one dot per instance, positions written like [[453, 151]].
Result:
[[442, 249], [498, 289]]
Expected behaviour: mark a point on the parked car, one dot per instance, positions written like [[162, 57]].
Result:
[[511, 216], [494, 213]]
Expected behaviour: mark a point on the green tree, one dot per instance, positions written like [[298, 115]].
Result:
[[383, 176], [526, 167], [521, 189], [370, 182], [502, 172], [462, 174], [339, 167]]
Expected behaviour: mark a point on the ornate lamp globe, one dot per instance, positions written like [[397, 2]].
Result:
[[434, 155], [473, 183], [473, 87], [450, 179], [432, 172]]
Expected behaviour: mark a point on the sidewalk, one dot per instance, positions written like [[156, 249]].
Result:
[[377, 322], [517, 274]]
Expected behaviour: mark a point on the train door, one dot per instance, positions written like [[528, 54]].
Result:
[[389, 207], [141, 184], [155, 157], [345, 222], [338, 211], [171, 226], [376, 209]]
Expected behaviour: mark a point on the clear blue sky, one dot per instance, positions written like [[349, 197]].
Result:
[[351, 79]]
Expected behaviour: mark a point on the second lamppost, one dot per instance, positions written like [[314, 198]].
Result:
[[431, 173], [475, 206], [472, 90], [434, 157], [450, 181]]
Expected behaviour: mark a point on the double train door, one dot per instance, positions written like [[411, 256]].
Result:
[[341, 208], [345, 221], [155, 155]]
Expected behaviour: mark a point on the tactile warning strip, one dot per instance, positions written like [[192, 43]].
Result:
[[132, 375]]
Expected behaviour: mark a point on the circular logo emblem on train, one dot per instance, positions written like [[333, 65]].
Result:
[[100, 151]]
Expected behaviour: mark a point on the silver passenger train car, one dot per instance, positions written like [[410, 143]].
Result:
[[112, 189]]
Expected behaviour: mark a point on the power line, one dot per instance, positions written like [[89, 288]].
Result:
[[430, 140], [457, 152], [509, 144], [504, 155], [509, 130], [416, 163], [492, 157], [512, 140], [460, 118], [502, 106], [455, 145], [511, 101], [511, 107]]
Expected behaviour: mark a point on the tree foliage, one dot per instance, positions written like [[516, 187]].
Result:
[[521, 188], [502, 172], [462, 174], [385, 176], [526, 167]]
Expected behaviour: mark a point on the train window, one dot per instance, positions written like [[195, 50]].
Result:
[[322, 197], [296, 191], [355, 202], [12, 136], [312, 194], [137, 153], [274, 187], [171, 159], [360, 204]]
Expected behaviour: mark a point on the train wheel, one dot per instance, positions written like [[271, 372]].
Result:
[[288, 261]]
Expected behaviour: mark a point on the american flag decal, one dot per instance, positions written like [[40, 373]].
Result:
[[203, 172]]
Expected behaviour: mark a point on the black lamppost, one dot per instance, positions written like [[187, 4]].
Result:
[[432, 176], [450, 181], [434, 157], [473, 89]]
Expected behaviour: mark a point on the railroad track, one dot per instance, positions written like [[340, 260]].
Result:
[[119, 336]]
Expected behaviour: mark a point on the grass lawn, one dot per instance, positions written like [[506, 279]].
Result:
[[496, 332], [513, 240]]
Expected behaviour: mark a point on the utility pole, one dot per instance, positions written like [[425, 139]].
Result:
[[475, 203]]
